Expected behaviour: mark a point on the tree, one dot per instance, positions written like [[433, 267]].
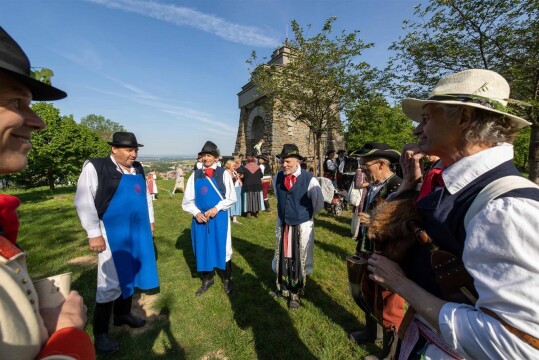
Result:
[[453, 35], [101, 126], [58, 151], [322, 78], [373, 119]]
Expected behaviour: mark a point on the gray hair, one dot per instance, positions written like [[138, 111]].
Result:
[[487, 127]]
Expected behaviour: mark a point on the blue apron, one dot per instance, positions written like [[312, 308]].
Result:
[[209, 239], [129, 235]]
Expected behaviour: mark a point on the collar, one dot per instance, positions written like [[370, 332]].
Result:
[[467, 169], [297, 172], [214, 166], [132, 170]]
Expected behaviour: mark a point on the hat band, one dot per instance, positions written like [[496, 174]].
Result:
[[491, 104]]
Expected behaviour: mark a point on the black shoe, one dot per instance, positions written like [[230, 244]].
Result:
[[293, 304], [129, 319], [105, 344], [227, 284], [206, 284]]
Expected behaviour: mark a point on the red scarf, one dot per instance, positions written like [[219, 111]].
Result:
[[208, 172], [432, 180], [289, 181]]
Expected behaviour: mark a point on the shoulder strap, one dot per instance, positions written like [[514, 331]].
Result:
[[495, 189]]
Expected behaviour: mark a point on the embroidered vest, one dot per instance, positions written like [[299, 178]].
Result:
[[295, 206]]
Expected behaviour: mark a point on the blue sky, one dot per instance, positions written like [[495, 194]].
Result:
[[170, 71]]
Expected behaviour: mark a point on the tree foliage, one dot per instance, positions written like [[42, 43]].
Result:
[[58, 151], [452, 35], [373, 119], [103, 127], [324, 76]]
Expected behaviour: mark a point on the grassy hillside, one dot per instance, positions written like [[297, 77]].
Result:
[[248, 325]]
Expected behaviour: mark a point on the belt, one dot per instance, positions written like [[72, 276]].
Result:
[[527, 338]]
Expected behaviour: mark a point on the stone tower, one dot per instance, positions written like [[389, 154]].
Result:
[[254, 124]]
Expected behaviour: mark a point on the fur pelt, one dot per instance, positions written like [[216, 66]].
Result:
[[389, 229]]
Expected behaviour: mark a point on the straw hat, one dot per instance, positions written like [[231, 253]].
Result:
[[478, 88]]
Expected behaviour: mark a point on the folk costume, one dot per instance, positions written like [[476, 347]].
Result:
[[27, 338], [392, 305], [252, 189], [180, 180], [114, 202], [23, 334], [299, 198], [207, 188]]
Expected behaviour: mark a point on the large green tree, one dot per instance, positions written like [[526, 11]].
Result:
[[59, 151], [324, 76], [373, 119], [101, 125], [452, 35]]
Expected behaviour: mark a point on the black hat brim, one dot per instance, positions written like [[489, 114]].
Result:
[[40, 91], [124, 144]]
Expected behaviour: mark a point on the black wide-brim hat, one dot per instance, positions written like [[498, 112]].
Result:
[[290, 150], [124, 139], [210, 148], [15, 63], [378, 150]]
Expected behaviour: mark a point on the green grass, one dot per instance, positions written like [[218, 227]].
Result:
[[248, 325]]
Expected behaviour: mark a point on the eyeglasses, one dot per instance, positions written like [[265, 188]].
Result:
[[368, 165]]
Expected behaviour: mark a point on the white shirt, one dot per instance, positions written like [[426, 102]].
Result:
[[501, 253], [85, 195], [188, 203]]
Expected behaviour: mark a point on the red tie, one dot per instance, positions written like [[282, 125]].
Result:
[[289, 181], [432, 180], [208, 172]]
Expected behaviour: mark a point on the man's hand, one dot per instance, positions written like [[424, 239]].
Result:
[[72, 313], [364, 218], [411, 166], [152, 227], [201, 218], [211, 213], [97, 244]]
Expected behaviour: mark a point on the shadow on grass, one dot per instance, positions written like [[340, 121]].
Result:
[[334, 228], [274, 334], [183, 243], [134, 344], [344, 219], [42, 194]]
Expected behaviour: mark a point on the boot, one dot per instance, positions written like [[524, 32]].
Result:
[[227, 282], [122, 313], [207, 282], [104, 343], [371, 332], [267, 205], [389, 347]]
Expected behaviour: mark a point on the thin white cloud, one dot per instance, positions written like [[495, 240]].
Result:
[[183, 16]]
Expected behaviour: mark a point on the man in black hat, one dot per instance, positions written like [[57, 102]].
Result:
[[27, 330], [208, 195], [375, 161], [299, 198], [116, 210]]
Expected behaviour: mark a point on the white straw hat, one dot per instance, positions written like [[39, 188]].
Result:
[[479, 88]]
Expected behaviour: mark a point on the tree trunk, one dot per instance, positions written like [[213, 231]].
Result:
[[534, 153], [50, 179]]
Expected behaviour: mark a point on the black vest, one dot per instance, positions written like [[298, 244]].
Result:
[[217, 175], [294, 207], [443, 216], [108, 179]]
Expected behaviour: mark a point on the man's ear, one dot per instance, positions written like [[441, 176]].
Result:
[[466, 116]]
